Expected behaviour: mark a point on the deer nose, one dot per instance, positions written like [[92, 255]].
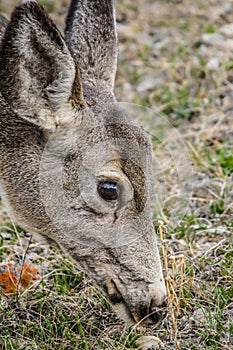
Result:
[[156, 309], [157, 315], [153, 308], [140, 303], [151, 315]]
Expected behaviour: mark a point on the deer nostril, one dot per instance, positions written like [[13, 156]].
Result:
[[155, 317], [152, 314], [143, 312], [157, 314], [115, 299]]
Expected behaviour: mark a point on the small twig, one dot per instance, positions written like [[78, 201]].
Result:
[[21, 271], [182, 259], [15, 230], [214, 247]]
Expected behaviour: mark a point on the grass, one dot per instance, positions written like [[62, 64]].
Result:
[[204, 293], [48, 4], [63, 312]]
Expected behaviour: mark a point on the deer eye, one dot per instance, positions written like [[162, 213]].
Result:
[[108, 190]]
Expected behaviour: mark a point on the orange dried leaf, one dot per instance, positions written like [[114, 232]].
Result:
[[17, 277]]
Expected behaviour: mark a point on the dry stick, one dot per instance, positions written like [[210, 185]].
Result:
[[169, 286], [173, 259], [182, 259], [21, 272], [15, 230], [173, 285]]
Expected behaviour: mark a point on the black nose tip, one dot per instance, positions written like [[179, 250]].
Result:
[[152, 315], [155, 317], [157, 314]]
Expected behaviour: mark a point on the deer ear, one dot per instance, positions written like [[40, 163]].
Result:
[[3, 25], [91, 35], [39, 78]]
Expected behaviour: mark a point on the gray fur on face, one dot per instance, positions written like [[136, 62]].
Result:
[[62, 136]]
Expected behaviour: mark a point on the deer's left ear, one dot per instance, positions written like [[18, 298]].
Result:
[[39, 78]]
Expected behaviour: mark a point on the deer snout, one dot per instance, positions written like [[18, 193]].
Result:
[[152, 309], [140, 302], [158, 305]]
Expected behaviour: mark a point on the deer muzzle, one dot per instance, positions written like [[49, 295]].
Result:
[[138, 301]]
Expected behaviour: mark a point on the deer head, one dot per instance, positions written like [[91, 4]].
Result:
[[73, 165]]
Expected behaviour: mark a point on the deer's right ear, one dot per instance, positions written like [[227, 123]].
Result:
[[39, 78]]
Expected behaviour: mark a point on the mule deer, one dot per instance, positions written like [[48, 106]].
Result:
[[73, 166]]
